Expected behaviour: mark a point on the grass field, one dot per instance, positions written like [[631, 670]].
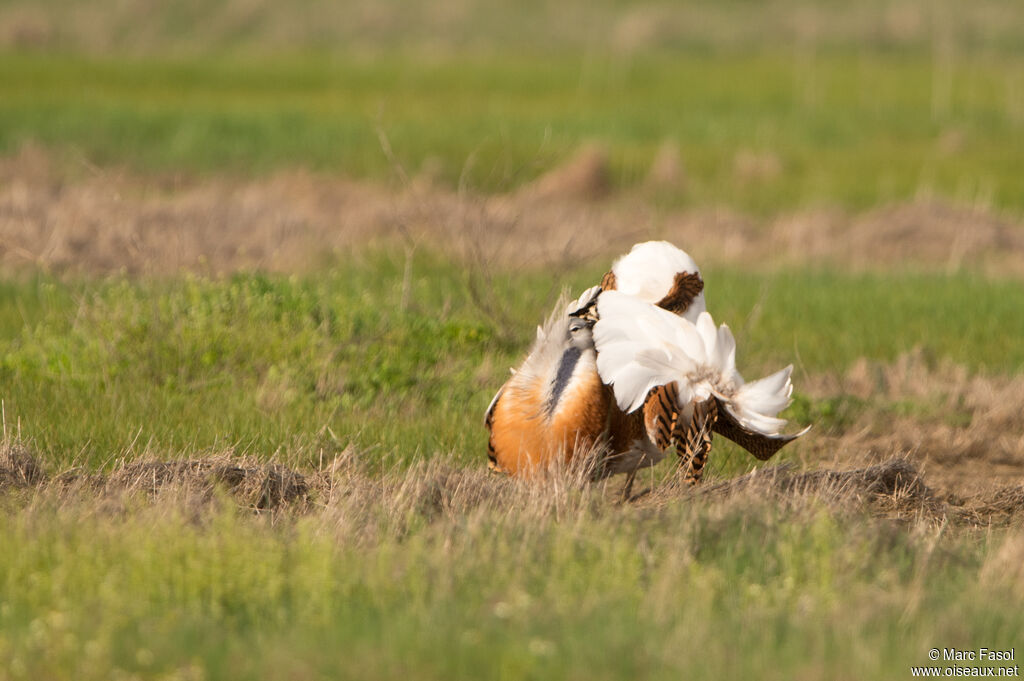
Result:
[[761, 132], [421, 553], [282, 364], [377, 585], [262, 268]]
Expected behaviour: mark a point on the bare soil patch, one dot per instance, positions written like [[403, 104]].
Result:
[[111, 221], [895, 488], [964, 431]]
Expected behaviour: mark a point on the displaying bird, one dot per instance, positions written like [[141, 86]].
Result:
[[684, 375], [555, 405], [568, 398]]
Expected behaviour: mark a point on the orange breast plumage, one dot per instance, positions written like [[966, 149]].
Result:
[[552, 409]]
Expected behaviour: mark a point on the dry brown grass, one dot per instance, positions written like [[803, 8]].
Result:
[[1005, 567], [350, 487], [894, 489], [135, 26], [19, 467], [111, 221], [965, 431]]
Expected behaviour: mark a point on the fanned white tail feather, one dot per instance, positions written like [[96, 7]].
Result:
[[641, 346], [755, 404]]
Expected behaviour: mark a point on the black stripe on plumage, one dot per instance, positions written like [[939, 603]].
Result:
[[566, 367]]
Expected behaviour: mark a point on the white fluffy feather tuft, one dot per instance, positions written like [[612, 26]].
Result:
[[649, 270], [551, 341], [641, 346]]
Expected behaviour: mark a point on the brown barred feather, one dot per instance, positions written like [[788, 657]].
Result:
[[608, 281], [687, 286], [763, 447], [661, 411], [489, 416], [693, 440], [492, 459]]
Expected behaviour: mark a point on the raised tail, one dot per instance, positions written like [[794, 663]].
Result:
[[641, 347]]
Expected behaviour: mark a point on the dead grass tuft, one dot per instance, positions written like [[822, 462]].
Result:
[[1001, 506], [667, 173], [755, 167], [18, 467]]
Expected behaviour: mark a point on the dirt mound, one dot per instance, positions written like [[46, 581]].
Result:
[[254, 485], [585, 176], [894, 488], [262, 487]]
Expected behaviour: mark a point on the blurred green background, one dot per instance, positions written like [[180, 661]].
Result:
[[772, 105]]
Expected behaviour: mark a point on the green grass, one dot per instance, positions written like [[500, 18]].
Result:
[[93, 370], [381, 592], [846, 128]]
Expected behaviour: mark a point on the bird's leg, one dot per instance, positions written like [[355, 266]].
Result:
[[685, 456], [627, 489], [695, 473], [693, 439]]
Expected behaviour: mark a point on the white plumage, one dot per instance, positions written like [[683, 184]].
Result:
[[640, 347], [649, 272]]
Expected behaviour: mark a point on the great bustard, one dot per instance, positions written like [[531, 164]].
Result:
[[627, 370]]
